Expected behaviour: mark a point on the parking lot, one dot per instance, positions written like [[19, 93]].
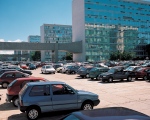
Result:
[[134, 95]]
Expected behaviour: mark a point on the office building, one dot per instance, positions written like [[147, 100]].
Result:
[[52, 33], [107, 26]]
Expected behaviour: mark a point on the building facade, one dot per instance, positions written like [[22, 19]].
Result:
[[53, 33], [33, 39], [107, 26]]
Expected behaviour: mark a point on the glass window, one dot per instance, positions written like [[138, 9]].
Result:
[[40, 90]]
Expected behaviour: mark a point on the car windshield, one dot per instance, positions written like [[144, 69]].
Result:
[[93, 69], [82, 68], [129, 68], [48, 66], [112, 70]]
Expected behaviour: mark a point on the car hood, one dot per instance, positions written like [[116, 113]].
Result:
[[82, 92]]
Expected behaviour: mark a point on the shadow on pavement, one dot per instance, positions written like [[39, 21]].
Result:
[[44, 116], [7, 106]]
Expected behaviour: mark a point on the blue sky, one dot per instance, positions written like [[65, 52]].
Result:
[[21, 18]]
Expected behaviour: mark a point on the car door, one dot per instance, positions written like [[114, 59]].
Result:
[[64, 97], [40, 95], [8, 77], [119, 75]]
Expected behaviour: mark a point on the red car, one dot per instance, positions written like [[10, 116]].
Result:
[[141, 73], [8, 77], [24, 66], [14, 88]]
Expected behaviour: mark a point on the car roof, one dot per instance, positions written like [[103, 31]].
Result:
[[111, 113], [45, 83], [30, 78]]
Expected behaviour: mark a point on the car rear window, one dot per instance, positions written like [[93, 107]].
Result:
[[12, 83]]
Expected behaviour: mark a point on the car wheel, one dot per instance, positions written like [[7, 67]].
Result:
[[60, 70], [33, 113], [129, 78], [87, 106], [73, 72], [92, 78], [67, 72], [53, 72], [87, 75], [15, 101], [145, 78], [4, 85], [110, 79]]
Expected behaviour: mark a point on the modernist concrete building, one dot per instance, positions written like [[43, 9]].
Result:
[[33, 39], [55, 33], [106, 26]]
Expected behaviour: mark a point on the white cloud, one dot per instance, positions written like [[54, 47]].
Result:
[[8, 51]]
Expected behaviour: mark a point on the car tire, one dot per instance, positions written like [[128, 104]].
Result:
[[87, 106], [73, 72], [145, 78], [4, 85], [87, 75], [33, 113], [92, 78], [129, 78], [110, 79], [15, 101]]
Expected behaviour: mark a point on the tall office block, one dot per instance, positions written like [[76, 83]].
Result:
[[107, 26], [52, 33]]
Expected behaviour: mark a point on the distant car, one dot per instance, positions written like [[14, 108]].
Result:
[[32, 66], [96, 71], [59, 69], [20, 69], [5, 70], [57, 66], [9, 76], [48, 69], [72, 69], [115, 73], [24, 66], [142, 73], [65, 67], [36, 98], [109, 113], [15, 86], [84, 71]]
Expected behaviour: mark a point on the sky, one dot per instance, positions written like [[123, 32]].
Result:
[[21, 18]]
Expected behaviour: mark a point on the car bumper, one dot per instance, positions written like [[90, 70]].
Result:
[[96, 102], [22, 108], [9, 97]]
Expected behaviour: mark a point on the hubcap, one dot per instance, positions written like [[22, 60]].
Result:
[[16, 102], [5, 85], [110, 79], [33, 114], [87, 107], [87, 75]]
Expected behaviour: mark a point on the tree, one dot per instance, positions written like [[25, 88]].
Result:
[[148, 50], [36, 56], [121, 56], [69, 56]]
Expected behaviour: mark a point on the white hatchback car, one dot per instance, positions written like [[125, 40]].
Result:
[[48, 69]]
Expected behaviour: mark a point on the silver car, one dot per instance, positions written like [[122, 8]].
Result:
[[48, 69]]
